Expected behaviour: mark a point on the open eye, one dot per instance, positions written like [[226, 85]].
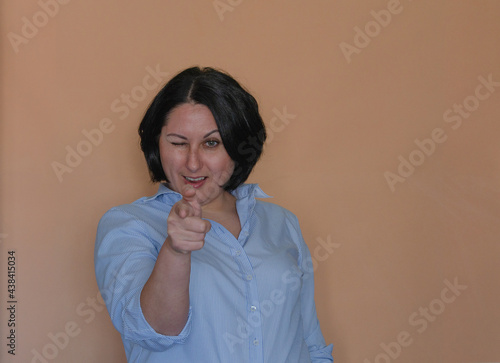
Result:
[[211, 143]]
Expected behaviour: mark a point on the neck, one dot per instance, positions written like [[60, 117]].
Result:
[[226, 203]]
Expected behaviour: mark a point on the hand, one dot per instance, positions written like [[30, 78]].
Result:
[[186, 229]]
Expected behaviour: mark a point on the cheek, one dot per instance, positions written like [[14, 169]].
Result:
[[163, 158], [231, 167], [223, 167], [162, 149], [228, 170], [228, 165], [170, 160]]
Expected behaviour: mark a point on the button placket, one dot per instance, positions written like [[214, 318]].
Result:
[[252, 298]]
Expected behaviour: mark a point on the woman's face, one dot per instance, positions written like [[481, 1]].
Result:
[[191, 152]]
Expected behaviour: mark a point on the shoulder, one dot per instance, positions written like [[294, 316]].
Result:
[[125, 217], [275, 212], [145, 208], [145, 215], [134, 210], [271, 207], [263, 208], [141, 224]]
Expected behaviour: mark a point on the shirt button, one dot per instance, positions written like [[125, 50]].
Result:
[[255, 342], [249, 277], [253, 308], [237, 253]]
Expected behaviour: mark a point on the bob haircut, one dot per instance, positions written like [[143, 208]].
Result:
[[235, 111]]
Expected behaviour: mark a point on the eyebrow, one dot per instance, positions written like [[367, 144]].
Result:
[[185, 138], [210, 133]]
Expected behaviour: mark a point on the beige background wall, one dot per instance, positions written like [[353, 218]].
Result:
[[355, 105]]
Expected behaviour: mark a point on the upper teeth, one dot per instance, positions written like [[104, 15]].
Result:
[[195, 179]]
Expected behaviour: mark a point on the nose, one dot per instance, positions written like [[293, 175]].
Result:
[[193, 161]]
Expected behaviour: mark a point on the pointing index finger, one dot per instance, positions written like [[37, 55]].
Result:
[[189, 195]]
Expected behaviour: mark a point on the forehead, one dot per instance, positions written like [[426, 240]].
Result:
[[190, 118]]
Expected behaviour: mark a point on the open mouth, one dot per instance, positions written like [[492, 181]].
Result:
[[195, 182]]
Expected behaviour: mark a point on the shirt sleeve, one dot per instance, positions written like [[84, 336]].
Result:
[[318, 350], [124, 258]]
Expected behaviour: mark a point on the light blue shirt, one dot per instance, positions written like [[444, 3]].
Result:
[[251, 298]]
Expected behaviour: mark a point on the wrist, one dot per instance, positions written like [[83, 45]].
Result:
[[168, 245]]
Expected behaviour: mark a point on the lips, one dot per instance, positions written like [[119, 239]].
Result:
[[196, 182]]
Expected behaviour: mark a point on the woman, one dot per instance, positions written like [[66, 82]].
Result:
[[202, 271]]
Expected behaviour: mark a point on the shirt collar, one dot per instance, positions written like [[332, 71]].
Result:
[[247, 190]]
